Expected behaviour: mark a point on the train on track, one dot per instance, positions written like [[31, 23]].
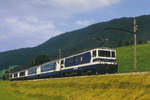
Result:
[[94, 61]]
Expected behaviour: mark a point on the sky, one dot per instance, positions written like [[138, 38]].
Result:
[[28, 23]]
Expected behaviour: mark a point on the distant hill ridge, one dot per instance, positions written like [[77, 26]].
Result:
[[90, 37]]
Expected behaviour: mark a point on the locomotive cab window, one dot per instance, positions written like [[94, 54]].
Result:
[[62, 62], [94, 53], [113, 54], [103, 53]]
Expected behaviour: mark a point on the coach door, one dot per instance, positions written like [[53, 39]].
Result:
[[58, 65], [62, 63]]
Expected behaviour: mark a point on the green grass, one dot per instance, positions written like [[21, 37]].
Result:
[[126, 59], [4, 92], [124, 87]]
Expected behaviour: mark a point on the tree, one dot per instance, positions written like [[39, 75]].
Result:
[[120, 43], [40, 59], [6, 75]]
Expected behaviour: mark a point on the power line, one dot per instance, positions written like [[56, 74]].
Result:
[[134, 37]]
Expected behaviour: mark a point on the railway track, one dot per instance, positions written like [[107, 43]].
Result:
[[117, 74]]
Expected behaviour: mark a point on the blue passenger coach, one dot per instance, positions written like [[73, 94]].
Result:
[[94, 61]]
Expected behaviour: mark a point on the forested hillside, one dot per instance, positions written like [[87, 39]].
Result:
[[96, 35]]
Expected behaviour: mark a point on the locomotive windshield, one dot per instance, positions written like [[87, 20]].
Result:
[[103, 53]]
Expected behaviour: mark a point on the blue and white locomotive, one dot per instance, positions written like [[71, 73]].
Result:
[[95, 61]]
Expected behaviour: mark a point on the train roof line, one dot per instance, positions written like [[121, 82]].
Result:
[[80, 52]]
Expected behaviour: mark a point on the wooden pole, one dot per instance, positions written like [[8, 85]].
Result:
[[134, 45]]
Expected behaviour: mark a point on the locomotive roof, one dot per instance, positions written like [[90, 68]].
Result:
[[84, 51]]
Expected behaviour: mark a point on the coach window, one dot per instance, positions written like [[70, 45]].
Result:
[[94, 53], [16, 75], [10, 75], [22, 73], [75, 59]]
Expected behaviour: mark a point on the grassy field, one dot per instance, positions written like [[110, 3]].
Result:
[[5, 93], [125, 58], [123, 87]]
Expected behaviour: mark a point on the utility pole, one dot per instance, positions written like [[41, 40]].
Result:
[[134, 37], [134, 30]]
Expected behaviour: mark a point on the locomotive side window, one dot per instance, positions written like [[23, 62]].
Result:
[[62, 62], [77, 60], [103, 53], [113, 54], [94, 53]]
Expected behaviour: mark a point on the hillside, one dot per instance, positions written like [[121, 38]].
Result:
[[71, 42], [125, 58], [112, 87]]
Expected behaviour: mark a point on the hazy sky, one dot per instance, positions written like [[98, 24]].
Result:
[[27, 23]]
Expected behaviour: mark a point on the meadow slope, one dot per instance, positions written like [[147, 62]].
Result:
[[125, 58], [121, 87]]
